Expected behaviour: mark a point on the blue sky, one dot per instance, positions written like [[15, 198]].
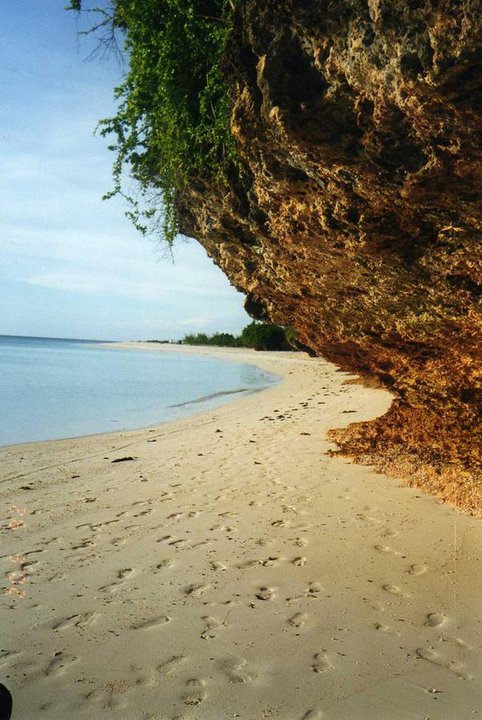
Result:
[[71, 265]]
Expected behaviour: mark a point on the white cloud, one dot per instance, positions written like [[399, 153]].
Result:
[[152, 288], [100, 262]]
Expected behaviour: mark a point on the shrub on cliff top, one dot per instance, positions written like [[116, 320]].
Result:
[[172, 122]]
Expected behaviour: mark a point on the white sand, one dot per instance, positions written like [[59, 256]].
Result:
[[233, 570]]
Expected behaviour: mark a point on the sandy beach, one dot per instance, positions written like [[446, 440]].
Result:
[[224, 566]]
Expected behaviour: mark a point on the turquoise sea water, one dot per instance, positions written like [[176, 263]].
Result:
[[51, 389]]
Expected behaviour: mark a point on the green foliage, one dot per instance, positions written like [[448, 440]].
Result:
[[198, 339], [172, 122], [259, 336], [263, 336], [218, 339], [225, 340]]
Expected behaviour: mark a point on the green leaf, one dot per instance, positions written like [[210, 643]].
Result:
[[173, 114]]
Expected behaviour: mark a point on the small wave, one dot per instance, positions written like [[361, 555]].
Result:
[[204, 398]]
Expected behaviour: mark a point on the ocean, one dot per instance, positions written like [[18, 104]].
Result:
[[60, 388]]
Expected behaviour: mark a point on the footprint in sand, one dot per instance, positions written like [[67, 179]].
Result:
[[209, 631], [279, 523], [29, 566], [84, 525], [152, 623], [298, 620], [313, 590], [248, 564], [178, 543], [212, 626], [124, 573], [118, 541], [216, 565], [164, 564], [321, 663], [299, 561], [112, 587], [217, 527], [384, 628], [106, 523], [388, 532], [461, 643], [196, 693], [166, 497], [30, 552], [88, 618], [168, 666], [263, 542], [387, 549], [394, 590], [312, 714], [435, 620], [270, 562], [195, 590], [148, 680], [59, 664], [289, 509], [383, 548], [234, 669], [264, 593], [7, 656], [435, 658], [47, 542], [86, 542], [117, 584], [56, 577], [109, 696], [143, 512], [199, 544], [417, 569]]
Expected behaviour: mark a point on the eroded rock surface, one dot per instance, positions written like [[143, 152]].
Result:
[[358, 220]]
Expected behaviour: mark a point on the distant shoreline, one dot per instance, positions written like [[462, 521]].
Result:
[[229, 352]]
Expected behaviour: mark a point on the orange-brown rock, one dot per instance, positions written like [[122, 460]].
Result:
[[357, 220]]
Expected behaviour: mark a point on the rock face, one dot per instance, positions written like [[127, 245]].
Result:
[[358, 218]]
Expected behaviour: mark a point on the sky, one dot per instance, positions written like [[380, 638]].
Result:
[[71, 264]]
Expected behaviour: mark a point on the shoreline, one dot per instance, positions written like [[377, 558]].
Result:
[[223, 565], [206, 402]]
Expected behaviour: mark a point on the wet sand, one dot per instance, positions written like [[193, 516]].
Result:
[[223, 566]]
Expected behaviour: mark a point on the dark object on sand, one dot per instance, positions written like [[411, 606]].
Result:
[[5, 703], [124, 459]]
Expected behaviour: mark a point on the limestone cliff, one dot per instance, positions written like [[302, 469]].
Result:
[[358, 219]]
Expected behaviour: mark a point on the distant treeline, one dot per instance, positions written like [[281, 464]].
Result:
[[259, 336]]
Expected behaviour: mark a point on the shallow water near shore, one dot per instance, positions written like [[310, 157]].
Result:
[[52, 388]]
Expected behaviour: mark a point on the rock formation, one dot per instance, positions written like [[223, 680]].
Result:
[[357, 221]]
